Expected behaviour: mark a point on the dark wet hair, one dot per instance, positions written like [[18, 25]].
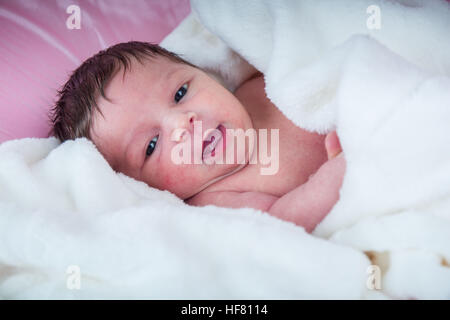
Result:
[[71, 116]]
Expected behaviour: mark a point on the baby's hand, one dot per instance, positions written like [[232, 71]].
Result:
[[332, 145]]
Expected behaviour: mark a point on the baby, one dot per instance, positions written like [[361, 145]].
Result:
[[138, 103]]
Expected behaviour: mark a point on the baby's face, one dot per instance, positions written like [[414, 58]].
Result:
[[151, 106]]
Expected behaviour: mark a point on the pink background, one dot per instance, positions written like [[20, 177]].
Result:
[[38, 52]]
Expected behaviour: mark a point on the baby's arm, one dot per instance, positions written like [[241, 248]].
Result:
[[305, 206], [309, 203]]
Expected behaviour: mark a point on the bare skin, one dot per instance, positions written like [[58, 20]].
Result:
[[142, 108], [302, 194]]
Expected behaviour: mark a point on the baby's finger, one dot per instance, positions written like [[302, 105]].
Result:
[[332, 145]]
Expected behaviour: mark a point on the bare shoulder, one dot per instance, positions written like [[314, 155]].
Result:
[[233, 199], [252, 86], [252, 95]]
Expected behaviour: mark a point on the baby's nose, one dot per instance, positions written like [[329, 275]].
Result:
[[183, 124]]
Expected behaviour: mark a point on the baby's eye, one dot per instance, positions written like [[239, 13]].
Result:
[[181, 92], [151, 146]]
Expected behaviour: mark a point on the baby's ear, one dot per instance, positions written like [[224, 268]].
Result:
[[332, 145]]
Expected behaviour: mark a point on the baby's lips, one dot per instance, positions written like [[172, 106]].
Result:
[[208, 133]]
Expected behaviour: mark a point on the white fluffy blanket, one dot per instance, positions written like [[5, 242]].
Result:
[[386, 91]]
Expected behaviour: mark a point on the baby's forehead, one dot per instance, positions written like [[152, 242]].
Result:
[[129, 82], [140, 73]]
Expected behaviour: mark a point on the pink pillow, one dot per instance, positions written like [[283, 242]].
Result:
[[38, 51]]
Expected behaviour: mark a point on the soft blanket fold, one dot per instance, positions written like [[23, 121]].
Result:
[[63, 208], [386, 93]]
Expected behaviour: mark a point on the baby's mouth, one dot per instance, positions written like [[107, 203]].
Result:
[[211, 140]]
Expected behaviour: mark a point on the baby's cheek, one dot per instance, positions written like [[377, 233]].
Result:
[[179, 179]]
